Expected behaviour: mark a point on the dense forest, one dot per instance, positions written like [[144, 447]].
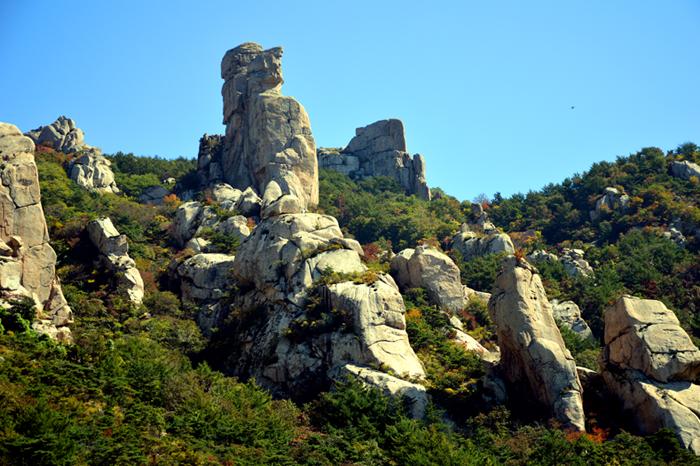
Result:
[[141, 385]]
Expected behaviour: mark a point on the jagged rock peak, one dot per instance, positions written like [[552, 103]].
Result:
[[268, 135], [380, 149]]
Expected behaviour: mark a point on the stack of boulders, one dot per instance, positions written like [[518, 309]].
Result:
[[610, 199], [285, 255], [268, 135], [114, 256], [572, 260], [534, 367], [89, 168], [27, 261], [650, 363], [192, 218], [379, 149], [472, 244]]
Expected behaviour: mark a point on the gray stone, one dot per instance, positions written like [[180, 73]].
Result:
[[534, 359], [685, 170], [569, 314], [268, 135], [154, 195], [380, 150]]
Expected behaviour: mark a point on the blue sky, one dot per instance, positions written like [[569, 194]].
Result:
[[485, 89]]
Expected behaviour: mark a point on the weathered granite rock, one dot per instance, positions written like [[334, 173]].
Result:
[[154, 195], [574, 263], [611, 198], [387, 384], [685, 170], [569, 314], [205, 276], [61, 134], [275, 266], [541, 255], [413, 268], [268, 135], [226, 195], [380, 150], [467, 341], [92, 171], [470, 245], [191, 218], [649, 363], [27, 261], [535, 363], [114, 256], [644, 335]]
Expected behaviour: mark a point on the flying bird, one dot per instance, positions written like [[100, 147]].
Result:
[[572, 108]]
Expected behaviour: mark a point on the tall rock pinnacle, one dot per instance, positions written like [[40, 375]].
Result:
[[268, 135]]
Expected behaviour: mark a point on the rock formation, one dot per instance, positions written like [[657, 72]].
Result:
[[89, 169], [293, 326], [611, 198], [534, 363], [27, 261], [571, 259], [569, 314], [114, 256], [268, 136], [649, 362], [685, 170], [470, 244], [413, 268], [379, 149], [154, 195], [191, 218], [61, 134]]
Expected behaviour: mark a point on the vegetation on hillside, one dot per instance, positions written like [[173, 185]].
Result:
[[138, 387]]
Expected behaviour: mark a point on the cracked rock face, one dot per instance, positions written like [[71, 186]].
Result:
[[27, 261], [644, 335], [535, 364], [268, 135], [649, 363], [434, 270], [379, 149]]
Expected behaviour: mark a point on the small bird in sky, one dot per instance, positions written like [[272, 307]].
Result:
[[572, 108]]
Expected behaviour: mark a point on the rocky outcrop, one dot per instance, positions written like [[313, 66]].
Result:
[[294, 325], [389, 385], [685, 170], [649, 362], [114, 256], [413, 268], [268, 136], [379, 149], [610, 199], [154, 195], [574, 263], [27, 261], [191, 218], [89, 168], [470, 245], [92, 171], [535, 364], [569, 314], [61, 134]]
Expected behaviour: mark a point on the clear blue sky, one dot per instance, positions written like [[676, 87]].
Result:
[[485, 89]]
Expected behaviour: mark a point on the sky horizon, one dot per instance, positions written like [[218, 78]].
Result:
[[502, 97]]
